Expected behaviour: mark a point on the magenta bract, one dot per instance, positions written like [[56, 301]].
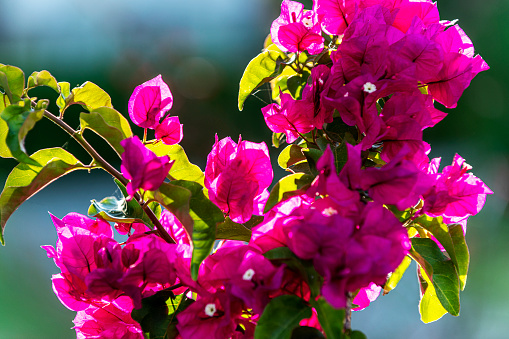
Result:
[[170, 131], [142, 166], [236, 174], [296, 30], [149, 102]]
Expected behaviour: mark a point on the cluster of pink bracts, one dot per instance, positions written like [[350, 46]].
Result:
[[388, 48]]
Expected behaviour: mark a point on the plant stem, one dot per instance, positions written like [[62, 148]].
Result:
[[348, 313], [111, 170]]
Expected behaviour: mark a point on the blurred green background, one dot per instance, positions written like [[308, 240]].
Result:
[[201, 48]]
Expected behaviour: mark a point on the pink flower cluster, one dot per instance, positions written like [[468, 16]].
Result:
[[147, 106], [389, 50]]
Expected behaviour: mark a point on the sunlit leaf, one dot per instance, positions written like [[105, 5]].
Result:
[[396, 276], [20, 120], [43, 78], [182, 169], [280, 83], [65, 92], [287, 187], [232, 231], [291, 155], [25, 180], [296, 84], [12, 81], [120, 210], [281, 316], [263, 68], [89, 96], [456, 248], [445, 278], [109, 124], [5, 152]]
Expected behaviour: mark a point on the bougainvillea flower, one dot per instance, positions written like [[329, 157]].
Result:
[[149, 102], [293, 117], [245, 271], [112, 320], [365, 296], [456, 194], [212, 316], [170, 131], [407, 10], [335, 15], [295, 30], [142, 166], [236, 174], [348, 253], [460, 66]]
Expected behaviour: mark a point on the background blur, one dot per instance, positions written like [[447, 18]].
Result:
[[201, 48]]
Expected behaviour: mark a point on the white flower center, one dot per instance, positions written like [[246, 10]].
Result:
[[210, 310], [248, 275], [369, 87], [329, 212], [307, 22]]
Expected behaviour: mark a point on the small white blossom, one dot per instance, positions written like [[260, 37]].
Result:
[[329, 212], [307, 22], [369, 87], [248, 275], [210, 310]]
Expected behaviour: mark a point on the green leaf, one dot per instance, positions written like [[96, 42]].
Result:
[[312, 155], [205, 215], [340, 156], [277, 139], [20, 120], [330, 319], [291, 155], [187, 201], [65, 92], [356, 335], [119, 209], [445, 278], [306, 332], [396, 276], [153, 314], [281, 316], [281, 82], [287, 187], [5, 152], [25, 180], [175, 306], [89, 96], [109, 124], [461, 250], [12, 80], [176, 200], [182, 169], [43, 78], [430, 307], [456, 248], [296, 84], [263, 68], [232, 231]]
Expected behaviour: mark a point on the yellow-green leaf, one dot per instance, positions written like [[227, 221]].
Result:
[[25, 180]]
